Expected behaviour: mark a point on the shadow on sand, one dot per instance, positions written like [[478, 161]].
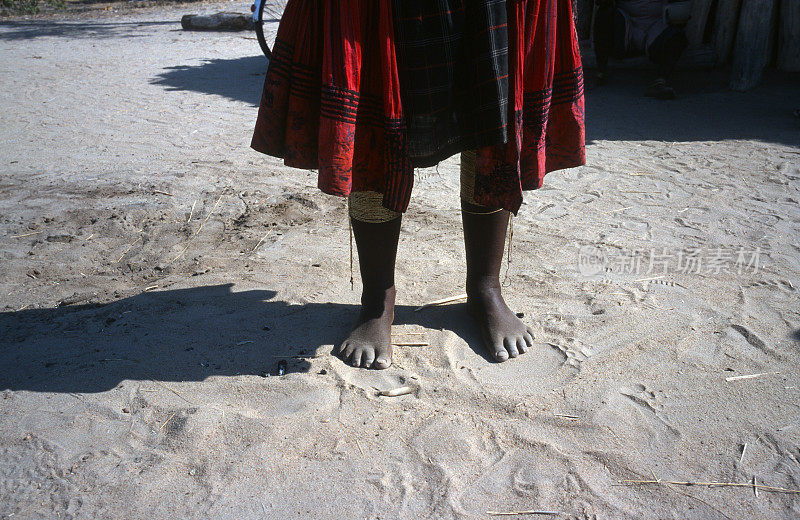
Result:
[[239, 79], [705, 110], [182, 335], [24, 30]]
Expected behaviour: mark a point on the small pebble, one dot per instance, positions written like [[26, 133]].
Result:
[[520, 315], [126, 410], [322, 372]]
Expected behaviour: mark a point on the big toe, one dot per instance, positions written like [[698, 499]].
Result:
[[499, 352], [382, 362]]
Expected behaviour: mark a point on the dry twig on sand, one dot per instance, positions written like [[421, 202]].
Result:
[[26, 234], [165, 422], [441, 302], [128, 249], [774, 489], [527, 512], [750, 376], [172, 390], [260, 242], [198, 229]]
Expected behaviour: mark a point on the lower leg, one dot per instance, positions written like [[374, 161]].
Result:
[[504, 334], [665, 52], [603, 37], [369, 343]]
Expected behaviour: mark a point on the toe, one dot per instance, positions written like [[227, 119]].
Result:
[[499, 352], [367, 358], [382, 362], [529, 337], [521, 346], [355, 358], [511, 346]]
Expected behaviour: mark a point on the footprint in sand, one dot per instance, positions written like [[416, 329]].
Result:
[[573, 351], [369, 382], [534, 373], [539, 477], [650, 405]]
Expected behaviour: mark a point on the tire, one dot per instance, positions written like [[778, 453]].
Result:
[[266, 18]]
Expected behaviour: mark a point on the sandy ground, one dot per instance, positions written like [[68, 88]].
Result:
[[155, 271]]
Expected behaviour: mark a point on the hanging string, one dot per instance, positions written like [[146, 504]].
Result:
[[350, 231], [350, 228], [506, 281]]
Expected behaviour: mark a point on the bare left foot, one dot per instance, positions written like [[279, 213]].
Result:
[[505, 335]]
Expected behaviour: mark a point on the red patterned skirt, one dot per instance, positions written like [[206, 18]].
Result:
[[365, 90]]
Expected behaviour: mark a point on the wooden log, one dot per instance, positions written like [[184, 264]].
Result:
[[789, 36], [724, 32], [217, 22], [754, 42], [696, 27]]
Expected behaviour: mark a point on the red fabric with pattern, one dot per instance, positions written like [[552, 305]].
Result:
[[332, 101]]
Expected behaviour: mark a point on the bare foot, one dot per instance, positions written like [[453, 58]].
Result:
[[370, 342], [504, 334]]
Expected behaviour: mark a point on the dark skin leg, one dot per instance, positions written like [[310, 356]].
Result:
[[504, 334], [369, 344], [603, 36]]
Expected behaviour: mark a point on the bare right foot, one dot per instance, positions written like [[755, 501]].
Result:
[[370, 342]]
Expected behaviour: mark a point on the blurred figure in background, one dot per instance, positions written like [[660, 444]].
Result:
[[655, 28]]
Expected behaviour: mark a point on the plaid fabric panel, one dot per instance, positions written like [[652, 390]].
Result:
[[452, 58]]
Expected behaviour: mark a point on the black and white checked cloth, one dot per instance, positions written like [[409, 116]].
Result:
[[452, 58]]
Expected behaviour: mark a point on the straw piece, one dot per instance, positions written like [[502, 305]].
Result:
[[566, 416], [750, 376], [528, 512], [755, 486], [619, 209], [168, 420], [26, 234], [207, 217], [774, 489], [126, 251], [406, 344], [163, 193], [441, 302], [359, 447], [150, 288], [198, 230], [744, 449], [172, 390], [192, 211], [260, 241]]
